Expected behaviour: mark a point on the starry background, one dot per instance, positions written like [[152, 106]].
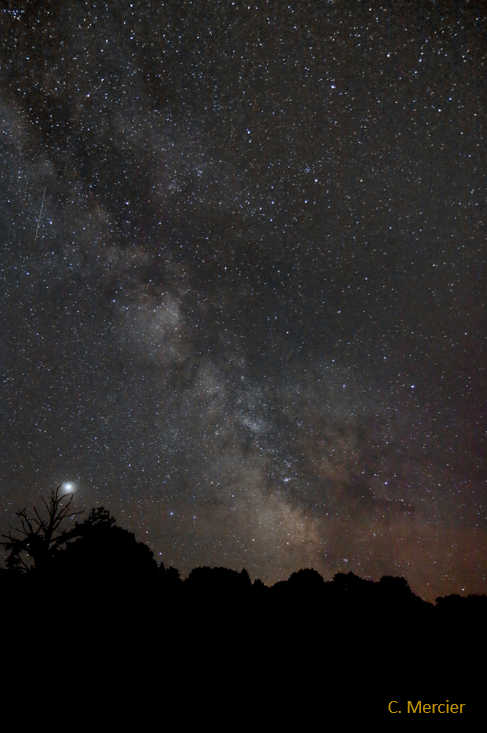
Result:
[[251, 319]]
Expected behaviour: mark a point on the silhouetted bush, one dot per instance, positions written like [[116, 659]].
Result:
[[220, 581]]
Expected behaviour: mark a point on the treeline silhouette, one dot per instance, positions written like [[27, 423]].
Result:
[[95, 583]]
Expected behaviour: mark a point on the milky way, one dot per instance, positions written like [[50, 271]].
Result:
[[252, 322]]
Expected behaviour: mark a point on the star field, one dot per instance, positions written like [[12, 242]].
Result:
[[252, 320]]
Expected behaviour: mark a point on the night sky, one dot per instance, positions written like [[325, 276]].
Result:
[[251, 319]]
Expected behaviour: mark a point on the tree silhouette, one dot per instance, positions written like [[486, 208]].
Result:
[[38, 538], [306, 580], [218, 580], [104, 553]]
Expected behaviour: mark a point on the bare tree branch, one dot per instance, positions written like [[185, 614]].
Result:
[[40, 537], [39, 518]]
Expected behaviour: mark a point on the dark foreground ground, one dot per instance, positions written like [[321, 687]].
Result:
[[306, 647]]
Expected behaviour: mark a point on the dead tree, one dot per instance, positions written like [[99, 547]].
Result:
[[38, 538]]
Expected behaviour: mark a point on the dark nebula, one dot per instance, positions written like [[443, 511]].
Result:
[[250, 319]]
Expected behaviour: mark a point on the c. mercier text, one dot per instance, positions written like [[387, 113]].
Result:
[[425, 707]]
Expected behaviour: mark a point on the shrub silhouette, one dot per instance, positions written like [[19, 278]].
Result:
[[104, 552], [306, 580], [218, 581], [397, 588], [350, 584], [169, 578]]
